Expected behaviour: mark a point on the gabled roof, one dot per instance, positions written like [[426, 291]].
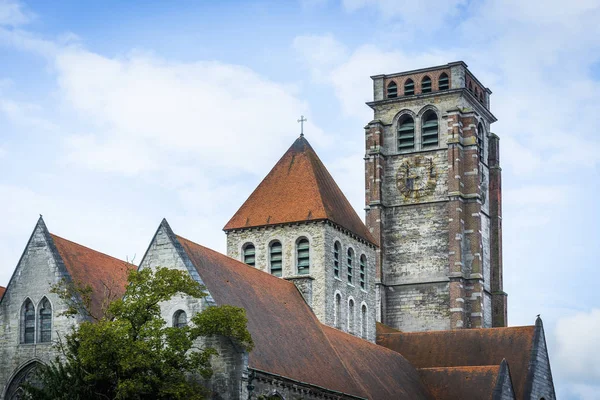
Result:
[[466, 348], [298, 189], [106, 275], [291, 342], [465, 383]]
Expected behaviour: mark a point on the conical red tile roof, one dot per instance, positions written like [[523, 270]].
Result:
[[298, 189]]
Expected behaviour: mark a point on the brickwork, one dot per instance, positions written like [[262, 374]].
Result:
[[321, 285], [435, 210]]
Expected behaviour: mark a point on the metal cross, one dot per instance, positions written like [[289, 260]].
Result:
[[302, 120]]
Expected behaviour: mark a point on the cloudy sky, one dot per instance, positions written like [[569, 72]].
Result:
[[116, 114]]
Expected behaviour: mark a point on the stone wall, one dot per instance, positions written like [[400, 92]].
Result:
[[38, 270]]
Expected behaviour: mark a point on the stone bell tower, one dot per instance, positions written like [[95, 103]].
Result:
[[433, 200]]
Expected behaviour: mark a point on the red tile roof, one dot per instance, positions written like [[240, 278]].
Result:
[[298, 189], [289, 339], [464, 383], [467, 347], [105, 274], [2, 290]]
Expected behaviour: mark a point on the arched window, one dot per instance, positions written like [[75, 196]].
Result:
[[303, 256], [426, 84], [249, 254], [275, 258], [28, 322], [392, 90], [470, 86], [45, 321], [429, 129], [336, 259], [363, 271], [406, 133], [444, 82], [480, 141], [351, 316], [476, 92], [337, 312], [180, 319], [350, 261], [363, 321], [409, 87]]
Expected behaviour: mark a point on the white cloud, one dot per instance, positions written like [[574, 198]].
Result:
[[13, 13], [320, 53], [577, 350]]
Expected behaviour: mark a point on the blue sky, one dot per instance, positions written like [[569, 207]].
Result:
[[114, 115]]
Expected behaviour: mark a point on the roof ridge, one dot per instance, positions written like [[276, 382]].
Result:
[[494, 329], [461, 367]]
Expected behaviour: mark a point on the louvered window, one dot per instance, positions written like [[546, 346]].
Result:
[[392, 90], [275, 255], [350, 265], [180, 319], [429, 129], [28, 319], [409, 87], [406, 133], [336, 259], [45, 321], [351, 316], [338, 311], [470, 86], [250, 254], [480, 141], [426, 85], [363, 321], [363, 271], [303, 256], [444, 83]]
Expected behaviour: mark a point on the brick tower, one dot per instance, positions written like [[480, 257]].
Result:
[[433, 200]]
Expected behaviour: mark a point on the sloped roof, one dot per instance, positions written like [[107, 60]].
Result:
[[2, 290], [90, 267], [465, 383], [298, 189], [289, 339], [467, 347]]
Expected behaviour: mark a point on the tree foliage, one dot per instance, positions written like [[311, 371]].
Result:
[[131, 353]]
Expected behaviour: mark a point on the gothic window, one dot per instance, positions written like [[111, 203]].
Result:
[[275, 258], [45, 321], [392, 90], [476, 92], [470, 86], [336, 259], [180, 319], [426, 85], [409, 87], [429, 129], [363, 321], [444, 83], [337, 312], [351, 316], [249, 254], [350, 265], [363, 269], [28, 322], [406, 133], [303, 256], [480, 141]]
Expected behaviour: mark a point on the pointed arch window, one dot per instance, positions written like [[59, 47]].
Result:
[[180, 319], [303, 256], [45, 321], [406, 133], [429, 129], [275, 258], [338, 311], [392, 90], [336, 259], [363, 321], [470, 86], [249, 254], [363, 271], [28, 322], [350, 265], [480, 141], [426, 84], [409, 87], [351, 316], [444, 82]]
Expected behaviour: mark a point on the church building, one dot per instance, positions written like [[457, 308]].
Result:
[[409, 305]]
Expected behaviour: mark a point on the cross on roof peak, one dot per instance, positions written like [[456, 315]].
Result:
[[302, 120]]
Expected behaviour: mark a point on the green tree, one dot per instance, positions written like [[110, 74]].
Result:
[[130, 352]]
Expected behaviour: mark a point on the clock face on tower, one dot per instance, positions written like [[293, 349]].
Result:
[[416, 177]]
